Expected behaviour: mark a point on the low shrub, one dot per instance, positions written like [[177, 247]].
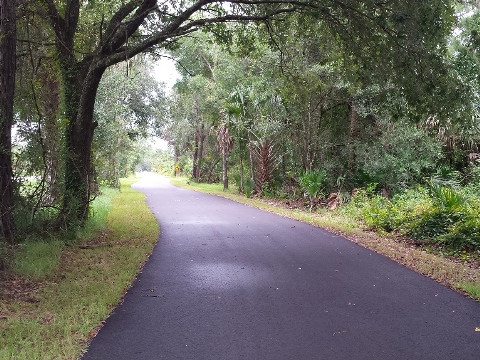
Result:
[[438, 215], [313, 184], [464, 234], [430, 224]]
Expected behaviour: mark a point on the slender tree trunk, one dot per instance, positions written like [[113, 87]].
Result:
[[242, 175], [195, 165], [7, 86], [307, 138], [351, 136], [224, 168], [200, 151], [195, 155], [225, 145], [251, 163]]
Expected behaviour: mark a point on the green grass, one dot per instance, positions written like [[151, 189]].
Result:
[[472, 288], [38, 259], [78, 291], [99, 211], [459, 274]]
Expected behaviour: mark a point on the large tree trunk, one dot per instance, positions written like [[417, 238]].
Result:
[[7, 86], [79, 136]]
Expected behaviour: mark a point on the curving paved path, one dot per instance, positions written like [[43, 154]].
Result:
[[227, 281]]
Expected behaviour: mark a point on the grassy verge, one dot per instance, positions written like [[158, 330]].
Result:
[[58, 301], [458, 274]]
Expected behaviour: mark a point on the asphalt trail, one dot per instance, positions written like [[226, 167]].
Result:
[[227, 281]]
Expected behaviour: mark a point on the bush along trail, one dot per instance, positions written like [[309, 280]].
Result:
[[59, 294]]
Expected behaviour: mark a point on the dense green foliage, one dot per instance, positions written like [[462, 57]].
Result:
[[438, 214], [130, 108]]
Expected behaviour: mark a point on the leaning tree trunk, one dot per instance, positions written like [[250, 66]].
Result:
[[7, 85]]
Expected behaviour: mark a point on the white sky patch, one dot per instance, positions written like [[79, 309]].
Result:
[[165, 71], [158, 143]]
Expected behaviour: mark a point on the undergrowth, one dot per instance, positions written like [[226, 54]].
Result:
[[38, 256], [440, 216]]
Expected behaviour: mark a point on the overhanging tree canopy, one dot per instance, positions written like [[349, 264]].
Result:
[[91, 36]]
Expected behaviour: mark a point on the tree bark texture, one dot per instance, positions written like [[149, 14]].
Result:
[[200, 151], [195, 165], [79, 137], [7, 86], [351, 135], [198, 144], [224, 169], [225, 145]]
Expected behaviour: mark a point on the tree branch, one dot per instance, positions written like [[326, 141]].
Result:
[[72, 12], [116, 20], [179, 31], [57, 22]]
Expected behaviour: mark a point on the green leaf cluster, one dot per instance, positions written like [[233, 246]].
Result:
[[313, 183]]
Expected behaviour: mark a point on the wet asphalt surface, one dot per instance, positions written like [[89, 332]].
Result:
[[227, 281]]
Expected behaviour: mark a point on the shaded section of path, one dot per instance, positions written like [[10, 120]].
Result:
[[227, 281]]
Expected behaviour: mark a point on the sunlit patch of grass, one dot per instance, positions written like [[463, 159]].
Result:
[[78, 293], [210, 188]]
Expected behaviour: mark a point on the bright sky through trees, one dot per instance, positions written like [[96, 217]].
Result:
[[166, 72]]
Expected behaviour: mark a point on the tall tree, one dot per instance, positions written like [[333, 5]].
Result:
[[7, 86]]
